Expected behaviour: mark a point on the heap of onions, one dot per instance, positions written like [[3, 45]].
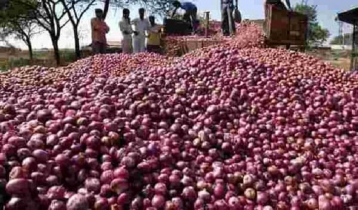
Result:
[[111, 64], [247, 35], [224, 127]]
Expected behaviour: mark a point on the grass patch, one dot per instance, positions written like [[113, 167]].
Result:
[[18, 62], [42, 54], [4, 65], [67, 56]]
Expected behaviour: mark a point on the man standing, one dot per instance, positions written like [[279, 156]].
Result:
[[153, 43], [227, 7], [190, 14], [126, 29], [99, 30], [141, 25]]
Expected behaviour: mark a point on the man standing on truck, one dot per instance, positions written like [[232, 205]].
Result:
[[227, 6], [190, 14]]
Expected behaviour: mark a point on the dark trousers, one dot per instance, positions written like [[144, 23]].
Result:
[[154, 49], [190, 16], [225, 25], [99, 48]]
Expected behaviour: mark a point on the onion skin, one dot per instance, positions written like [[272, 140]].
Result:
[[57, 205], [17, 172]]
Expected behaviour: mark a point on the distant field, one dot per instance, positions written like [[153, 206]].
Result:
[[11, 59]]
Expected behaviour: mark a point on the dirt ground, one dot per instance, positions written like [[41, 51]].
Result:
[[338, 58]]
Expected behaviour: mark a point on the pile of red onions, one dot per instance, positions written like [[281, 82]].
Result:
[[122, 64], [226, 127], [111, 64]]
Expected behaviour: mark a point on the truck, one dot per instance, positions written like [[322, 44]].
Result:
[[284, 27]]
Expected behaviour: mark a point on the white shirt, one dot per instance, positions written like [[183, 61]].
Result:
[[140, 26], [124, 25]]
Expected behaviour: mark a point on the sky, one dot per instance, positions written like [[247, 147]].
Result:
[[250, 9]]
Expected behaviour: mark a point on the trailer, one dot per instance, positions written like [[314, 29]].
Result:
[[283, 27]]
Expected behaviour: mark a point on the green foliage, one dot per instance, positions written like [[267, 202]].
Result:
[[10, 63], [309, 10], [4, 65], [17, 21], [157, 7], [18, 62], [68, 56], [316, 35], [338, 40], [18, 9]]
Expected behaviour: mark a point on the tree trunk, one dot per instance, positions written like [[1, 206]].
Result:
[[56, 50], [106, 7], [31, 55], [29, 46], [77, 42]]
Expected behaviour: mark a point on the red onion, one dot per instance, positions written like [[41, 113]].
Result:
[[119, 185], [92, 185], [101, 204], [56, 192], [158, 201], [77, 202], [18, 187], [17, 203]]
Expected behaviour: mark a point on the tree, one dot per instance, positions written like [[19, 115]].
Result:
[[16, 21], [338, 40], [22, 30], [156, 6], [316, 34], [49, 15], [75, 10]]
